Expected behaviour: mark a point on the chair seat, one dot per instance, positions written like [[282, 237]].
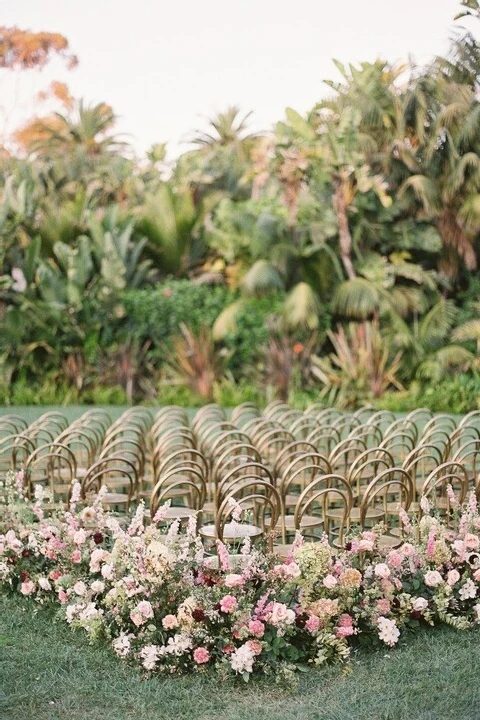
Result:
[[116, 499], [231, 532], [372, 514], [307, 521], [175, 513]]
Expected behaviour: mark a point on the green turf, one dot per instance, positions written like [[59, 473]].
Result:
[[49, 673]]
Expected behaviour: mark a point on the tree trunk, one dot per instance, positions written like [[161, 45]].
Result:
[[340, 207]]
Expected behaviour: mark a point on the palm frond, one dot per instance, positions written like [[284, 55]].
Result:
[[358, 298], [262, 278], [301, 309]]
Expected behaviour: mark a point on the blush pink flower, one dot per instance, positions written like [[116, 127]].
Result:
[[228, 604], [471, 541], [329, 581], [383, 606], [433, 578], [394, 559], [145, 609], [256, 627], [76, 557], [137, 618], [79, 537], [233, 580], [453, 576], [201, 655], [382, 571], [27, 587], [62, 596], [170, 622], [312, 624], [254, 646]]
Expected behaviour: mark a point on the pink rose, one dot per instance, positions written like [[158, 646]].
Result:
[[233, 580], [476, 575], [471, 541], [433, 578], [407, 549], [145, 609], [55, 574], [27, 587], [312, 624], [228, 604], [137, 618], [382, 571], [383, 606], [453, 577], [329, 581], [79, 537], [200, 655], [254, 646], [256, 627], [62, 596], [419, 604], [281, 614], [365, 545], [76, 556], [395, 558], [345, 620], [169, 622]]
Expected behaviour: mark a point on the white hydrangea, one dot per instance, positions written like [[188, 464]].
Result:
[[121, 645], [468, 590], [388, 631], [242, 659]]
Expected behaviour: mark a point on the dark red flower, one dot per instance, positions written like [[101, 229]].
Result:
[[24, 575], [198, 615], [26, 553], [301, 620], [98, 538]]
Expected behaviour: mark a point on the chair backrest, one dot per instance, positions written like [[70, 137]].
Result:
[[321, 494], [258, 496]]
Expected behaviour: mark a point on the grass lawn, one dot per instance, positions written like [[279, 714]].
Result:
[[47, 672]]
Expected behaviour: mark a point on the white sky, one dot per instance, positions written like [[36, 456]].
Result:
[[163, 65]]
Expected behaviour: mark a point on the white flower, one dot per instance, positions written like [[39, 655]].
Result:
[[419, 604], [388, 631], [44, 583], [150, 656], [107, 571], [121, 644], [90, 611], [97, 586], [477, 612], [71, 612], [80, 588], [382, 571], [425, 504], [468, 590], [242, 659], [19, 281]]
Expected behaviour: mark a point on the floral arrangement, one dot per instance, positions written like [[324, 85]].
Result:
[[161, 602]]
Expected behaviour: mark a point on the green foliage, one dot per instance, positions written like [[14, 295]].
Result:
[[156, 314], [457, 394]]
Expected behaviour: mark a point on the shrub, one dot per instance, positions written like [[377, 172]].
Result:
[[157, 314], [457, 394]]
